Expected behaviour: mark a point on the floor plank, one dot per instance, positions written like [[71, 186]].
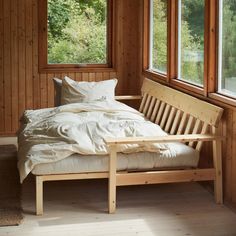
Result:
[[80, 208]]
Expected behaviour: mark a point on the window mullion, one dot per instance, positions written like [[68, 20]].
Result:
[[172, 40], [211, 53], [179, 39], [220, 46], [151, 36]]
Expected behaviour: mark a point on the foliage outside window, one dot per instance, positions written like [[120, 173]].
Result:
[[159, 36], [227, 47], [191, 41], [77, 32]]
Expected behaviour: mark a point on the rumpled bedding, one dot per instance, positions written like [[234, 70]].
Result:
[[52, 134]]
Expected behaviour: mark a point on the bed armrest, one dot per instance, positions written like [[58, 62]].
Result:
[[163, 139], [129, 97]]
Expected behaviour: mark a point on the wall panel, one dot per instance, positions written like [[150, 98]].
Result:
[[2, 120], [14, 64], [22, 87], [22, 59], [7, 64]]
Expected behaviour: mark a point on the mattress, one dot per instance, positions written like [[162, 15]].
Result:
[[179, 155]]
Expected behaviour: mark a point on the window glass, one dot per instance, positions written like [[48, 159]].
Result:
[[191, 41], [77, 32], [159, 35], [227, 47]]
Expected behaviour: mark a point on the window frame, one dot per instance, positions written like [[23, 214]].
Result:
[[162, 74], [211, 54], [181, 81], [209, 92], [147, 42], [219, 47], [44, 66]]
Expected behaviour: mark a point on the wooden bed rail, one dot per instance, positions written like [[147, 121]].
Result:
[[163, 139], [128, 97], [168, 176]]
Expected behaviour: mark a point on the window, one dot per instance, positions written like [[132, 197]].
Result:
[[191, 41], [191, 45], [227, 48], [75, 34], [158, 35]]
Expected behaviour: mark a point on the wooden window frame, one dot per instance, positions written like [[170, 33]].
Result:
[[147, 43], [172, 50], [174, 80], [211, 34], [43, 44], [209, 92]]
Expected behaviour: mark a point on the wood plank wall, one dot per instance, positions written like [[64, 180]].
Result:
[[229, 154], [22, 87], [228, 130]]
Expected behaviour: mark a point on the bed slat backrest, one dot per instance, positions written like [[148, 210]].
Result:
[[177, 112]]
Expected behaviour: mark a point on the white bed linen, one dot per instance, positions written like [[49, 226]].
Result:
[[179, 155], [53, 134]]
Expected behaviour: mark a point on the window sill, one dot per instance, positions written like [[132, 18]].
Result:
[[187, 86], [223, 99], [155, 76], [75, 69]]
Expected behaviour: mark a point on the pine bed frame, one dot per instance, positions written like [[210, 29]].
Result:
[[185, 118]]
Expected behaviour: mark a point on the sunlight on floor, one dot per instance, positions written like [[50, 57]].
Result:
[[119, 226]]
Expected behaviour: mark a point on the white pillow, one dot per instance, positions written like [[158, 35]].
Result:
[[73, 91]]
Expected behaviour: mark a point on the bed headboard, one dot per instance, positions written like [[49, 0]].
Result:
[[177, 112]]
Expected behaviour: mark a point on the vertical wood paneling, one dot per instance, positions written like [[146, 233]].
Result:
[[43, 91], [133, 55], [99, 76], [7, 65], [92, 77], [2, 120], [36, 81], [113, 75], [21, 56], [50, 90], [14, 64], [28, 53], [106, 75], [59, 76], [119, 46], [72, 76], [85, 76], [78, 76]]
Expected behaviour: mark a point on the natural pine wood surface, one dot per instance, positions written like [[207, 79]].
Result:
[[80, 208]]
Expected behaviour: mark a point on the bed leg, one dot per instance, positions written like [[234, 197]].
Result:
[[112, 180], [217, 158], [39, 195]]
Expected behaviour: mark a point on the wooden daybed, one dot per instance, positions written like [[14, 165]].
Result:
[[185, 118]]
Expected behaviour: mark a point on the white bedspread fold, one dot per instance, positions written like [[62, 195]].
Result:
[[52, 134]]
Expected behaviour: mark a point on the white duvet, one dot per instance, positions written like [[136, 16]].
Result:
[[52, 134]]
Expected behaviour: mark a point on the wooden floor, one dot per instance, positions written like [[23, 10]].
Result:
[[80, 208]]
